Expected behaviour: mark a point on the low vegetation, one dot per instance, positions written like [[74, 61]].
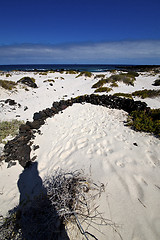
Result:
[[9, 85], [141, 93], [43, 73], [114, 84], [127, 95], [71, 72], [127, 78], [145, 121], [103, 89], [85, 73], [100, 83], [9, 128], [99, 76], [146, 93]]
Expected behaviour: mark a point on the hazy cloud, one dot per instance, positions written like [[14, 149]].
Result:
[[140, 52]]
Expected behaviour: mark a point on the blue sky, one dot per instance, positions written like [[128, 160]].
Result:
[[84, 31]]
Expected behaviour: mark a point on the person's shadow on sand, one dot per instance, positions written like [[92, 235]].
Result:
[[36, 216]]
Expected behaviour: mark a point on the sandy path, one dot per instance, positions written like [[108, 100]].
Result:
[[94, 138]]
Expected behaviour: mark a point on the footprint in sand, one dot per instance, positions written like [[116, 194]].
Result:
[[120, 163], [81, 143]]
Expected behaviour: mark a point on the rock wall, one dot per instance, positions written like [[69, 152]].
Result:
[[20, 147]]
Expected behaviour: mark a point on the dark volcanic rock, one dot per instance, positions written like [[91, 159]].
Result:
[[36, 124], [19, 148], [11, 102], [29, 82]]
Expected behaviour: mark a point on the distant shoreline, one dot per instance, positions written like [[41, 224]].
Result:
[[77, 67]]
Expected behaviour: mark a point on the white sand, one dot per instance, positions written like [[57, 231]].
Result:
[[94, 139]]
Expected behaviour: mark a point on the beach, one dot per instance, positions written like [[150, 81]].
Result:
[[95, 140]]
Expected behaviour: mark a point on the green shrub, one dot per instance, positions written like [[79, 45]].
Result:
[[9, 85], [127, 95], [146, 93], [146, 121], [85, 73], [156, 82], [9, 128], [103, 89]]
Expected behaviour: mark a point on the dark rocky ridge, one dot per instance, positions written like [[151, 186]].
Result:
[[19, 148]]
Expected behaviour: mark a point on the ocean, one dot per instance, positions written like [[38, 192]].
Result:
[[79, 67]]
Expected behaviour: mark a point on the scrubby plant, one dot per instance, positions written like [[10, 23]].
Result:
[[100, 83], [99, 76], [9, 128], [43, 73], [127, 95], [103, 89], [72, 72], [114, 84], [127, 78], [146, 93], [146, 121], [156, 82], [84, 73], [9, 85], [132, 74], [67, 198]]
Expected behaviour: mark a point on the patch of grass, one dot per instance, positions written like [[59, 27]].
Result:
[[127, 95], [156, 82], [85, 73], [124, 77], [132, 74], [100, 76], [146, 93], [100, 83], [9, 85], [103, 89], [146, 121], [127, 78], [114, 84], [43, 73], [71, 72], [9, 128]]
